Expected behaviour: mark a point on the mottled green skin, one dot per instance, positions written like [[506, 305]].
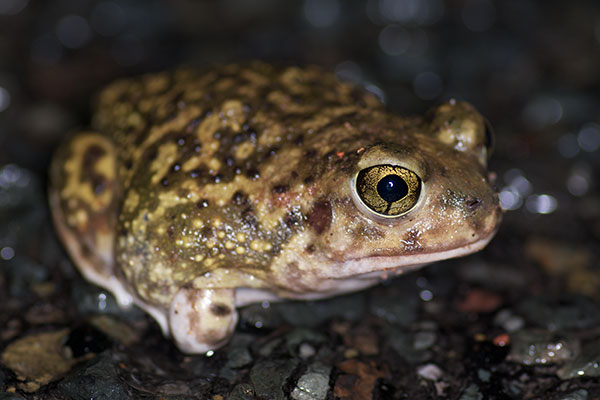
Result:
[[242, 177]]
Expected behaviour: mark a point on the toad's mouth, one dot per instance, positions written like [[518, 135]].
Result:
[[374, 266]]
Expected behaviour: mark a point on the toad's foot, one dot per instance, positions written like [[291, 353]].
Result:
[[202, 319]]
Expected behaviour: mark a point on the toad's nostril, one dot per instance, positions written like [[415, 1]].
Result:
[[472, 203]]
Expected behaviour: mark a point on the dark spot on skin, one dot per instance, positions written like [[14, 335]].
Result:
[[330, 156], [279, 189], [220, 309], [239, 138], [195, 173], [309, 179], [319, 218], [152, 155], [294, 174], [253, 174], [273, 151], [128, 164], [92, 154], [292, 220], [310, 248], [472, 203], [249, 217], [217, 178], [176, 167], [239, 198], [99, 184], [310, 154], [164, 182], [202, 203], [299, 140]]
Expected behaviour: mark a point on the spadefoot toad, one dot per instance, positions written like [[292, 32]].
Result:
[[194, 193]]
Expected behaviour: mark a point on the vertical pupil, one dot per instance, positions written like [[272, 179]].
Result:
[[392, 188]]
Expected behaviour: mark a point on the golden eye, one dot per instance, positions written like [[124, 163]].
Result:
[[388, 190]]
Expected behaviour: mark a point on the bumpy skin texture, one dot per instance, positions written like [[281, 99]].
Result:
[[196, 192]]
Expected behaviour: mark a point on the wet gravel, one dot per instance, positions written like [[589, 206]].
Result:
[[520, 320]]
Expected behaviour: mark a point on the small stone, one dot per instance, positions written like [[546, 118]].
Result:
[[37, 359], [587, 364], [430, 372], [472, 392], [96, 379], [404, 343], [306, 351], [580, 394], [269, 377], [484, 375], [531, 347], [314, 384], [242, 391], [508, 320], [239, 357], [424, 340]]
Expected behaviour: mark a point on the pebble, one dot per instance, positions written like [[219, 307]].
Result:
[[238, 357], [424, 340], [587, 364], [96, 379], [430, 372], [580, 394], [472, 392], [269, 377], [37, 359], [508, 320], [242, 391], [484, 375], [306, 351], [403, 342], [313, 384], [531, 347]]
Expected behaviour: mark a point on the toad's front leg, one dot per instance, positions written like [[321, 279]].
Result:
[[202, 319]]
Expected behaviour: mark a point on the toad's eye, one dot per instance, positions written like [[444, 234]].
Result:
[[388, 190]]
